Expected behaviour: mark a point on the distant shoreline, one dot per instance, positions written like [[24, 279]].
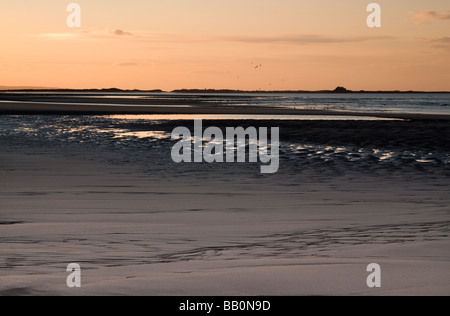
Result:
[[214, 91]]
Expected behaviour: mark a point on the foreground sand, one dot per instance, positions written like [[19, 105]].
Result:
[[214, 233]]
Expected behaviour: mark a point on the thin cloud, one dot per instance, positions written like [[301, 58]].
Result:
[[140, 36], [427, 15], [84, 34], [58, 36], [296, 39], [440, 43], [445, 40], [302, 39], [121, 33], [126, 64]]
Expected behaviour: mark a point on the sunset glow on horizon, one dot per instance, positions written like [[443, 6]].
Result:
[[246, 44]]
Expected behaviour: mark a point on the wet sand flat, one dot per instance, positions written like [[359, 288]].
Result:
[[139, 224], [185, 105]]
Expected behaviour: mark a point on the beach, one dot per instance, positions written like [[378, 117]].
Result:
[[102, 191], [224, 156], [188, 104]]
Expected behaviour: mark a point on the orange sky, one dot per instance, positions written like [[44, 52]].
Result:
[[172, 44]]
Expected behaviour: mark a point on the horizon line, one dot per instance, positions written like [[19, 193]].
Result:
[[184, 90]]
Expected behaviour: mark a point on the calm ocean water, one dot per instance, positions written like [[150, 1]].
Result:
[[428, 103], [438, 103], [410, 103]]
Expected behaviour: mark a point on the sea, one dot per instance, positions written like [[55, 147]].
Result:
[[142, 133], [410, 103]]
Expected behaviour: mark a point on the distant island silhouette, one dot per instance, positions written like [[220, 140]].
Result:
[[338, 89]]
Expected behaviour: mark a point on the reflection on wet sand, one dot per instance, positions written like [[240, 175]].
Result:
[[178, 117]]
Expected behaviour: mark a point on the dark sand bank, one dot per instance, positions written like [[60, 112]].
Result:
[[414, 135]]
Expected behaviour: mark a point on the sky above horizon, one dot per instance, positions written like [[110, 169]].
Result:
[[245, 44]]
